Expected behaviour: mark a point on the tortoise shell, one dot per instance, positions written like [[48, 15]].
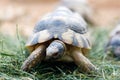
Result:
[[62, 24], [63, 18]]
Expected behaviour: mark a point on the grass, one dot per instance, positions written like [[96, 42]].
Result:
[[13, 53]]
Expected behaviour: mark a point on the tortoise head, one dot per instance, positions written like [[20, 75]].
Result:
[[55, 50], [115, 45], [116, 50]]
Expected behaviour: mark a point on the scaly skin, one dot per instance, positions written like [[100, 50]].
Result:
[[82, 62], [35, 57]]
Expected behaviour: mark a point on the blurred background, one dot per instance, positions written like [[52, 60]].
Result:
[[25, 13]]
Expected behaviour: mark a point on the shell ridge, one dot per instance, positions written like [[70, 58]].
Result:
[[40, 37]]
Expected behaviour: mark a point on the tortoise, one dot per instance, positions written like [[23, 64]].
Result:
[[82, 7], [113, 45], [59, 36]]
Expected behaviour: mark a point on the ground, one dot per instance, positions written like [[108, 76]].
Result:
[[13, 55], [20, 16]]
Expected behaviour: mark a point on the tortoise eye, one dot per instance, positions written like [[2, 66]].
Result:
[[118, 32], [72, 10]]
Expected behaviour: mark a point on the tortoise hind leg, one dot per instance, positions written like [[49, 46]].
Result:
[[83, 62], [35, 57]]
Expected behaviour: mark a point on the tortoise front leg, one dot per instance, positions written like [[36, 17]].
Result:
[[83, 62], [35, 57]]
